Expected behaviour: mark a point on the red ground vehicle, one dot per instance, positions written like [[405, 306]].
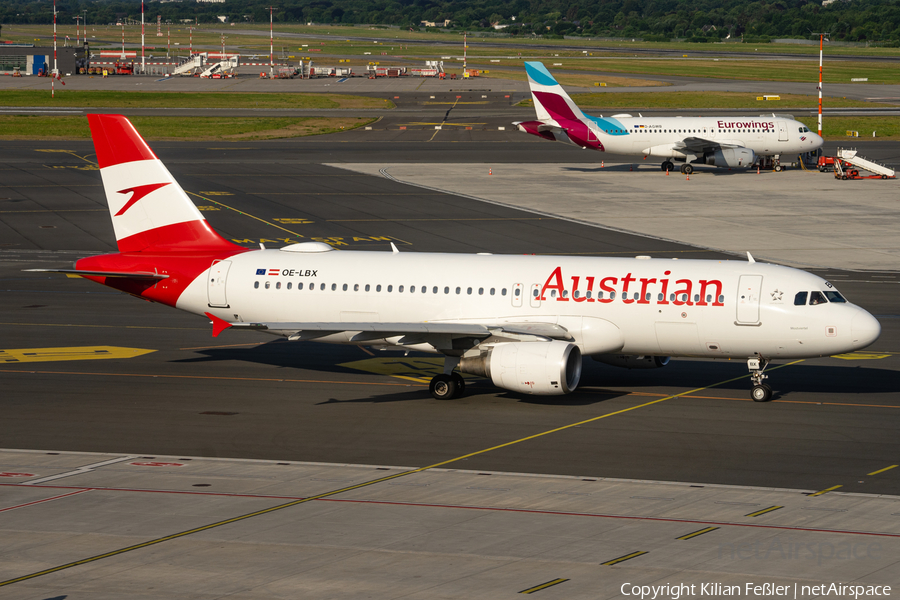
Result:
[[826, 163]]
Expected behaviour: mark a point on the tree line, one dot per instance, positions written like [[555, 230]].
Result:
[[651, 20]]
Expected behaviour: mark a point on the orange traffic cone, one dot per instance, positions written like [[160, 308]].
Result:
[[632, 168], [601, 164], [687, 177], [757, 169], [667, 172], [490, 171]]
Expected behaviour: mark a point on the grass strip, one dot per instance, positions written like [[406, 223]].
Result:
[[117, 99], [22, 127], [835, 128]]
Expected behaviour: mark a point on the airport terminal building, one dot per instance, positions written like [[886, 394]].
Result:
[[33, 60]]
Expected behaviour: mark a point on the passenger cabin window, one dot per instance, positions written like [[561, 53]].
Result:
[[800, 298], [300, 286], [817, 298], [278, 286], [255, 285]]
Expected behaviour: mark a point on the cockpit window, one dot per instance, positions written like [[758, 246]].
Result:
[[816, 298], [800, 298], [834, 297], [804, 129]]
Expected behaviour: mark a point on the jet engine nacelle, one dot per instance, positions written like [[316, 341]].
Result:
[[632, 362], [731, 157], [542, 368]]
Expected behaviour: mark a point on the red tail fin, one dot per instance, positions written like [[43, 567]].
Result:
[[149, 209]]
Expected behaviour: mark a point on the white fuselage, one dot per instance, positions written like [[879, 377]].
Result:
[[660, 136], [636, 306]]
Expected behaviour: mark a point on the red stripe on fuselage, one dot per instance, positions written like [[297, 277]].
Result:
[[116, 141], [182, 267]]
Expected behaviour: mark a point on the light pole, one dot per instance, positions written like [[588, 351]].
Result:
[[143, 69]]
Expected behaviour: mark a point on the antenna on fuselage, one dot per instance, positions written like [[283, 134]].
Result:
[[394, 248], [750, 258]]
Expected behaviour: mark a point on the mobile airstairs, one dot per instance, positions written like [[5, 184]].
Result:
[[850, 156], [221, 68], [188, 67]]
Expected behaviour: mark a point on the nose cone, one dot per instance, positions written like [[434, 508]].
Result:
[[864, 329], [817, 140]]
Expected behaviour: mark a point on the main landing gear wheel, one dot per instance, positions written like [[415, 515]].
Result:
[[668, 166], [443, 387], [687, 169], [761, 393], [779, 168]]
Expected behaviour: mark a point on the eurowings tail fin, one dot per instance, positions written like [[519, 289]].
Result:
[[551, 102], [149, 210]]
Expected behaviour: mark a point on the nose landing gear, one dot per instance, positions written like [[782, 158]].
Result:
[[760, 392]]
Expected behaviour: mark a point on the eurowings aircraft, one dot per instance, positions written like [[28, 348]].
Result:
[[524, 322], [719, 141]]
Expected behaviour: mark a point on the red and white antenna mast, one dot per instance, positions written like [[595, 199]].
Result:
[[271, 44], [821, 40], [143, 70], [53, 75]]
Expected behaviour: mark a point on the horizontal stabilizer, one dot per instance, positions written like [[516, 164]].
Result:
[[122, 274]]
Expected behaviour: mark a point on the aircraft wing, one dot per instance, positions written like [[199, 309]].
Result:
[[421, 331], [697, 145]]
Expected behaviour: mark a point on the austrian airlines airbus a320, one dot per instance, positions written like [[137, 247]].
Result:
[[719, 141], [525, 322]]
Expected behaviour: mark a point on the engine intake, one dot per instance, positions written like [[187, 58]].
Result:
[[632, 362], [541, 368]]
